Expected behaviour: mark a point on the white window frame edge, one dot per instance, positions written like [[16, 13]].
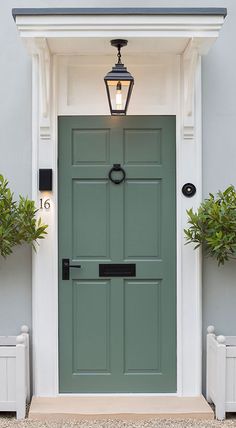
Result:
[[202, 32]]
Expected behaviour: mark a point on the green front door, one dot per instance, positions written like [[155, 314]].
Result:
[[117, 333]]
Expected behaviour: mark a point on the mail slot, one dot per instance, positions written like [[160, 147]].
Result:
[[117, 269]]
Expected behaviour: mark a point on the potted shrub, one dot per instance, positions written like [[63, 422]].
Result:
[[18, 222], [213, 226], [18, 225]]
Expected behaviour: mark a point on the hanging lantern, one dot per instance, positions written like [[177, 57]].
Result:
[[119, 83]]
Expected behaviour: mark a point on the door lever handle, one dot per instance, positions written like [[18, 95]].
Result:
[[66, 269]]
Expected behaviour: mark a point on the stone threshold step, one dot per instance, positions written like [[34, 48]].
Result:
[[124, 407]]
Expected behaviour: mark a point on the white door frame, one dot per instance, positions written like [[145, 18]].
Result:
[[200, 32]]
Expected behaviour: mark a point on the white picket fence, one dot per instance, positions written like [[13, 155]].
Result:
[[14, 373], [221, 372]]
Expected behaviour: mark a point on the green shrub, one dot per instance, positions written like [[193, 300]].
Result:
[[213, 226], [18, 223]]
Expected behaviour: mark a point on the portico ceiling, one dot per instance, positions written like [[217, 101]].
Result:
[[98, 46]]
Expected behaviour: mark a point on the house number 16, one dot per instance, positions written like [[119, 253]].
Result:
[[45, 204]]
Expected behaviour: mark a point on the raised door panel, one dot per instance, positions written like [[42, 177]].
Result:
[[142, 231], [142, 332], [142, 146], [90, 146], [91, 219], [91, 327]]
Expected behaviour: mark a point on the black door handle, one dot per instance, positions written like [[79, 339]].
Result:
[[66, 269]]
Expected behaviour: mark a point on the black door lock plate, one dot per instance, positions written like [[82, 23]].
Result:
[[66, 269]]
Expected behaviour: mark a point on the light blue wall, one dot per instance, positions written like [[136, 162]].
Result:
[[15, 164], [219, 156], [219, 151]]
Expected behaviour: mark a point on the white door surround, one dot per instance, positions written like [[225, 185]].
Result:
[[70, 51]]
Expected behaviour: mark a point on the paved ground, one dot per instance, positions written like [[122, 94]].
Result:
[[9, 421]]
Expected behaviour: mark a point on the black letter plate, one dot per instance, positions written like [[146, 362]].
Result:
[[117, 270]]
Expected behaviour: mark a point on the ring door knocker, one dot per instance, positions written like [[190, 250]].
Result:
[[117, 168]]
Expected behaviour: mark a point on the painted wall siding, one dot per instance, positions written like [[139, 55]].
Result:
[[15, 164], [219, 152]]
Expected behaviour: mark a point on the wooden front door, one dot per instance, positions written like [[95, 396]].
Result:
[[117, 323]]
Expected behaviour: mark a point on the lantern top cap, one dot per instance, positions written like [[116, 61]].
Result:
[[119, 72]]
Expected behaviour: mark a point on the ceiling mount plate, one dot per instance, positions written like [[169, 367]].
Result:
[[119, 43]]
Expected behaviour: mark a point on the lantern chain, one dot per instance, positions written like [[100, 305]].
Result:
[[119, 54]]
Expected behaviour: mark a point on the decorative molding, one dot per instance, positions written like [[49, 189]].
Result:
[[108, 25], [45, 89], [39, 47], [188, 132], [190, 59]]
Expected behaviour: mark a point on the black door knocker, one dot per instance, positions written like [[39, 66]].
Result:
[[117, 168]]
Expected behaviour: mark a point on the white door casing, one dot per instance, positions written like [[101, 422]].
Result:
[[67, 51]]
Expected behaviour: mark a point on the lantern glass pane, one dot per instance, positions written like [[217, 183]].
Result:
[[118, 94]]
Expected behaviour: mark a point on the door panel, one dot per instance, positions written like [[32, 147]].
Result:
[[142, 146], [142, 219], [91, 224], [117, 334], [141, 327], [91, 335], [90, 146]]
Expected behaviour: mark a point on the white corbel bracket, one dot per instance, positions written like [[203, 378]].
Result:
[[45, 87], [39, 47], [190, 59]]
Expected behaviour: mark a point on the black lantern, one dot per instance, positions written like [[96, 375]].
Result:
[[119, 83]]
